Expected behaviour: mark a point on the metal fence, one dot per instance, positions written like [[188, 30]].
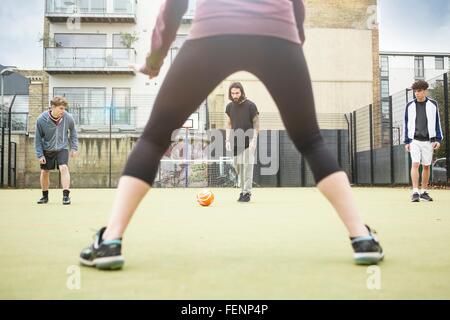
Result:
[[8, 148], [378, 154], [368, 145]]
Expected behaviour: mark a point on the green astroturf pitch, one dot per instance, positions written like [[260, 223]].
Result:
[[287, 243]]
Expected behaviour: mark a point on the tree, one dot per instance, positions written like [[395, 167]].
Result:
[[48, 41], [437, 93], [128, 39]]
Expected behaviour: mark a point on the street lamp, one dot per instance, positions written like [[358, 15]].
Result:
[[5, 72]]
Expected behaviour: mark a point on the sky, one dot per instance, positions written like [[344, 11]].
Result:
[[414, 25], [405, 25]]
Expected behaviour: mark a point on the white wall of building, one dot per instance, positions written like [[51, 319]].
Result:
[[143, 90], [430, 67], [341, 71], [401, 71], [341, 74]]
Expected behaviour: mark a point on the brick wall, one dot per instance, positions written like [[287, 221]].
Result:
[[347, 14]]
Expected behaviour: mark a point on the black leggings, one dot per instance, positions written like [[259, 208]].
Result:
[[201, 65]]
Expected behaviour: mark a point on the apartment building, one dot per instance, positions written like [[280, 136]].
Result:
[[398, 70], [90, 44]]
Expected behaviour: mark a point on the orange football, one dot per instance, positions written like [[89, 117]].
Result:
[[205, 197]]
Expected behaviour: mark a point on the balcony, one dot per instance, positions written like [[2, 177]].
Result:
[[190, 13], [97, 11], [89, 60], [104, 119]]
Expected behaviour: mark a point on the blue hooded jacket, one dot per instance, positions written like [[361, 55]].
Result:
[[55, 137]]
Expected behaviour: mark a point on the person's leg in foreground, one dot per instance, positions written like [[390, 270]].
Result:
[[177, 99], [294, 98], [172, 108]]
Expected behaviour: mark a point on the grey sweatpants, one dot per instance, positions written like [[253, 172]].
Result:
[[243, 164]]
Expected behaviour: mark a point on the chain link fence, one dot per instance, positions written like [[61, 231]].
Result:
[[388, 162], [370, 151]]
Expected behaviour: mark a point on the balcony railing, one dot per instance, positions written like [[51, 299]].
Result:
[[89, 60], [103, 117], [190, 13], [92, 10]]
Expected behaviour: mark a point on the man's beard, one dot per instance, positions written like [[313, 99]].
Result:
[[239, 100]]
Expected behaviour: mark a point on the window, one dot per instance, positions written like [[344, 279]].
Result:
[[122, 6], [92, 6], [61, 6], [98, 6], [121, 54], [91, 107], [384, 66], [19, 121], [87, 40], [118, 42], [385, 107], [419, 71], [121, 97], [82, 50], [76, 6], [87, 105], [121, 106], [384, 88], [439, 63], [19, 112]]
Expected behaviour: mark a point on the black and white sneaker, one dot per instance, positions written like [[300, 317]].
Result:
[[43, 200], [103, 254], [66, 200], [425, 197], [246, 197], [240, 197], [367, 250], [415, 197]]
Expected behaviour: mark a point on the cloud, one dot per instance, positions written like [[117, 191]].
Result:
[[21, 22], [405, 25], [414, 25], [21, 25]]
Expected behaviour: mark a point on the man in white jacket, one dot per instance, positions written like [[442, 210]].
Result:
[[423, 134]]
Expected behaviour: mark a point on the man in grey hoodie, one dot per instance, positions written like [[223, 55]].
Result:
[[55, 129]]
